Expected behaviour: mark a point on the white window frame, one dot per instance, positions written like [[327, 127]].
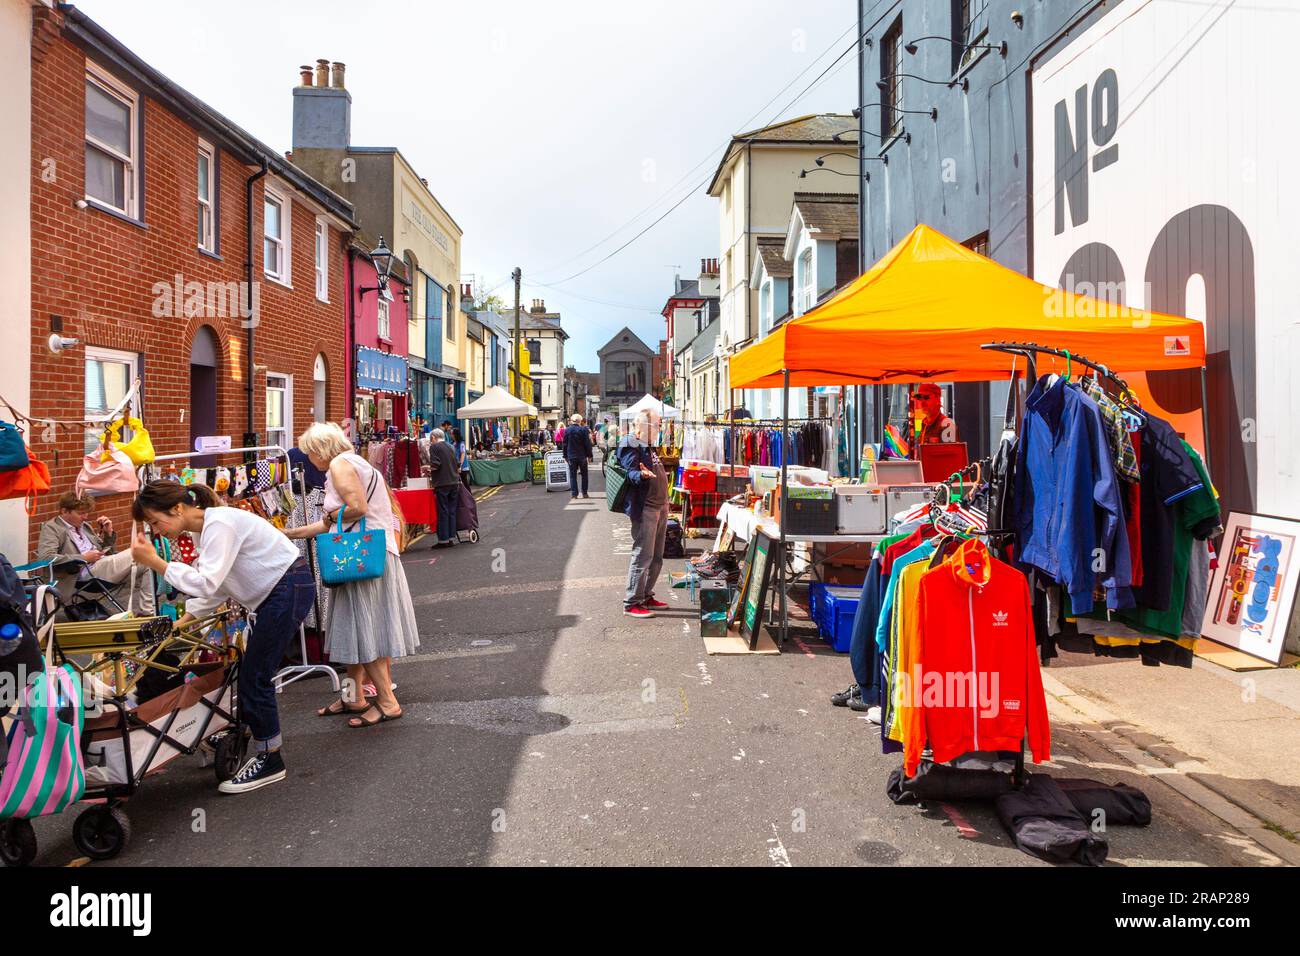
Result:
[[130, 184], [287, 428], [384, 320], [322, 260], [132, 359], [283, 276], [807, 281], [208, 240]]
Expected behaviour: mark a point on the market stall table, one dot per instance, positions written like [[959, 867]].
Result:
[[500, 471]]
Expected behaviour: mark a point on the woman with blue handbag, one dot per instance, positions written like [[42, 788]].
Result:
[[371, 617], [244, 558]]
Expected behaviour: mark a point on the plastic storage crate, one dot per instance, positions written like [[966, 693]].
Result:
[[838, 607]]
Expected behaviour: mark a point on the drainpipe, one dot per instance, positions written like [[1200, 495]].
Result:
[[349, 350], [250, 435]]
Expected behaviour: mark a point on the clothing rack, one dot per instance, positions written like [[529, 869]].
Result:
[[1029, 349]]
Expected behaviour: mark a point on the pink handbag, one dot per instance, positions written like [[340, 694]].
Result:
[[107, 471]]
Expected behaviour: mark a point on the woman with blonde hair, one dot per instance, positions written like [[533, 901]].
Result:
[[370, 622]]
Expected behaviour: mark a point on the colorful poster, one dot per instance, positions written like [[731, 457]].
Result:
[[1253, 588]]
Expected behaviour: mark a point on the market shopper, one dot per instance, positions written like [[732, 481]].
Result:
[[577, 452], [445, 478], [372, 621], [462, 455], [244, 558], [647, 506], [936, 427]]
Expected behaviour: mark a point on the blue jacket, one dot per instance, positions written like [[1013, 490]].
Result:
[[630, 456], [1068, 514], [577, 443]]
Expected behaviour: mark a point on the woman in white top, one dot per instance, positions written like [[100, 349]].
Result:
[[243, 558], [370, 622]]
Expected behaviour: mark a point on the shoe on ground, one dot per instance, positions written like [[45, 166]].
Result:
[[654, 605], [261, 769], [638, 611], [843, 697], [856, 703], [873, 715], [585, 495]]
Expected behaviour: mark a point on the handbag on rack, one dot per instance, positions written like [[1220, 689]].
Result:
[[13, 450], [107, 471], [140, 448], [27, 482], [347, 556]]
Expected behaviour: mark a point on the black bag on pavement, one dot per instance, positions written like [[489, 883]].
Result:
[[674, 547], [1044, 823]]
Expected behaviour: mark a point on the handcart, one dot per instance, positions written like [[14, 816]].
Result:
[[121, 744]]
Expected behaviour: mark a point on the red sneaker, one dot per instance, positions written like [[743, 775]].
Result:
[[638, 611], [654, 605]]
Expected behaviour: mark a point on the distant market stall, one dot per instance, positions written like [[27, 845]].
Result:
[[497, 469]]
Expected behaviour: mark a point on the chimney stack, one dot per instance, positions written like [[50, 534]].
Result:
[[305, 72], [323, 73], [322, 111], [338, 76]]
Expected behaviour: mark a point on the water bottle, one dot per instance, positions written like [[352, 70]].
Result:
[[11, 635]]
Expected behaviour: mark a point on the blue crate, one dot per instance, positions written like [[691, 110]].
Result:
[[816, 601], [839, 605]]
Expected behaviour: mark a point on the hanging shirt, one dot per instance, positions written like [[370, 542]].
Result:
[[975, 623], [1069, 513]]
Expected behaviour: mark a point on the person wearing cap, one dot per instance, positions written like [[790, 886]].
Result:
[[577, 452], [936, 427]]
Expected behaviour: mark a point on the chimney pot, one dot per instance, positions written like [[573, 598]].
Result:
[[305, 72], [338, 76], [322, 72]]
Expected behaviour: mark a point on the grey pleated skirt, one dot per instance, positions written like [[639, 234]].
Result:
[[372, 619]]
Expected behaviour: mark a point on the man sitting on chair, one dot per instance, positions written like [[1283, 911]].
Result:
[[70, 535]]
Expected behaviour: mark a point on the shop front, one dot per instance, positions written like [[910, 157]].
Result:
[[381, 392]]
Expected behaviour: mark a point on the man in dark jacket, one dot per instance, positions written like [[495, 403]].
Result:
[[647, 506], [445, 479], [577, 452]]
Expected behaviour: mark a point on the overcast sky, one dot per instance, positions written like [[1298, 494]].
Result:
[[541, 127]]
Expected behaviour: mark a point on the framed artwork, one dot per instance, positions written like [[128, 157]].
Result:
[[738, 600], [757, 577], [1253, 589]]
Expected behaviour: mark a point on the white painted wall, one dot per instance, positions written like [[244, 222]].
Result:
[[1199, 122], [15, 237]]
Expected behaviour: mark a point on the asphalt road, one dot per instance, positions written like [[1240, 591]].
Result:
[[542, 727]]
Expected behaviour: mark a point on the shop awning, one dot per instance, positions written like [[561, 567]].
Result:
[[656, 407], [496, 403], [922, 312]]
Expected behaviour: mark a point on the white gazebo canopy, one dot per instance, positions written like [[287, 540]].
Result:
[[496, 402], [656, 408]]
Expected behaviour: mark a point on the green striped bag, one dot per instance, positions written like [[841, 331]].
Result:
[[43, 770]]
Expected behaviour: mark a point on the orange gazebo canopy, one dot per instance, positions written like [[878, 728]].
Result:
[[922, 312]]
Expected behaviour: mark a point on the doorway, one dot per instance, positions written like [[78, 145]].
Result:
[[204, 364]]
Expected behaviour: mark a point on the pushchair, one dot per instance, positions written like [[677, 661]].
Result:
[[92, 599], [467, 516], [191, 705]]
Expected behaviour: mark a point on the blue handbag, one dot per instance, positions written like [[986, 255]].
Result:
[[13, 450], [347, 556]]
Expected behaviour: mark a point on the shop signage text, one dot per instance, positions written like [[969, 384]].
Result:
[[381, 371]]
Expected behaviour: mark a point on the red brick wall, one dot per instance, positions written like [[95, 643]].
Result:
[[98, 272]]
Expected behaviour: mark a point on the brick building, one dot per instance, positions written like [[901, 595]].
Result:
[[157, 226]]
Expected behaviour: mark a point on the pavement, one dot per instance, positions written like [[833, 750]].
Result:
[[542, 727]]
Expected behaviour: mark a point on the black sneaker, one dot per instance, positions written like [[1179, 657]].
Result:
[[843, 697], [859, 705], [263, 768]]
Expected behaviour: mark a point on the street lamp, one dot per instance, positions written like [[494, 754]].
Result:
[[382, 257], [1000, 47]]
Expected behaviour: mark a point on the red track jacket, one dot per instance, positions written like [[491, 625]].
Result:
[[976, 685]]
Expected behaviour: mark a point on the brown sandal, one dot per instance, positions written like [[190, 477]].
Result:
[[339, 707]]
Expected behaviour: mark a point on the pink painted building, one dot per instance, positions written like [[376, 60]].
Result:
[[377, 343]]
